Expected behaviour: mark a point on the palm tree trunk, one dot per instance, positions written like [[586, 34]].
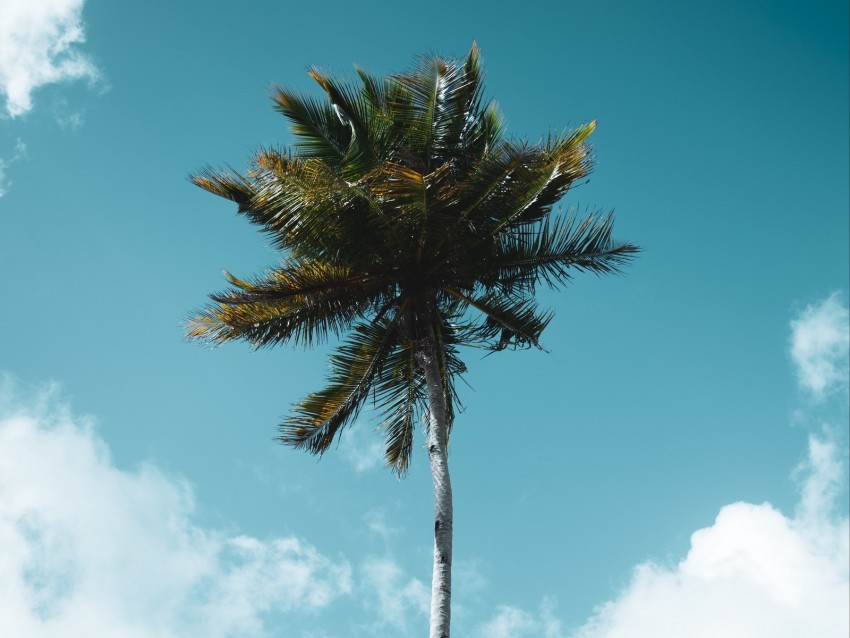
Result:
[[441, 584]]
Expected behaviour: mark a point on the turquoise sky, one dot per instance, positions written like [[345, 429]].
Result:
[[668, 394]]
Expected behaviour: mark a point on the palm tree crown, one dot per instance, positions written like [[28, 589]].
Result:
[[404, 217]]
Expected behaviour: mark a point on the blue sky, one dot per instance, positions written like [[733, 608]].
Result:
[[706, 389]]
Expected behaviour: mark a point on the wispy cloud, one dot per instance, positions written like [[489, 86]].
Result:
[[820, 346], [19, 154], [361, 447], [378, 525], [89, 549], [511, 622], [38, 46], [398, 602]]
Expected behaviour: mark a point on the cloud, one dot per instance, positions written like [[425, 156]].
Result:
[[757, 572], [4, 181], [89, 549], [378, 525], [820, 346], [20, 153], [361, 447], [511, 622], [38, 46], [397, 600], [754, 573]]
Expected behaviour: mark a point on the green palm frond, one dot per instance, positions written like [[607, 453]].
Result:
[[562, 162], [554, 250], [483, 192], [387, 129], [464, 121], [455, 106], [506, 321], [355, 109], [300, 303], [316, 126], [320, 416], [400, 391], [303, 204], [418, 110], [450, 364], [292, 195], [397, 189], [307, 207], [228, 184]]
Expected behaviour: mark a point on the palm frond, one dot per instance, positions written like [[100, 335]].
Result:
[[456, 109], [318, 129], [396, 188], [318, 418], [228, 184], [390, 104], [400, 391], [520, 182], [546, 179], [309, 209], [507, 321], [355, 109], [280, 192], [450, 365], [291, 190], [557, 248], [301, 303], [423, 85]]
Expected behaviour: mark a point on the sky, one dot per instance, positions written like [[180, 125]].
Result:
[[674, 464]]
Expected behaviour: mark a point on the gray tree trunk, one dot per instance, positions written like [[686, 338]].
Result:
[[441, 584]]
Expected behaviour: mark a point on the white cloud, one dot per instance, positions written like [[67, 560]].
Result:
[[755, 573], [820, 345], [38, 46], [88, 549]]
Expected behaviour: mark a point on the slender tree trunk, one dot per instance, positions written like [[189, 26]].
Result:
[[441, 584]]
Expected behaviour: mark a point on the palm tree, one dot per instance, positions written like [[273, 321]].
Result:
[[409, 226]]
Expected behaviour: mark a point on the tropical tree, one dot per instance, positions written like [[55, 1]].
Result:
[[409, 226]]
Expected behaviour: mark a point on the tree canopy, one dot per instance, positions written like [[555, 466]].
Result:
[[403, 213]]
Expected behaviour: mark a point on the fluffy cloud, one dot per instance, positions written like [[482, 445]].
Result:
[[757, 572], [88, 549], [820, 342], [754, 573], [38, 41]]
